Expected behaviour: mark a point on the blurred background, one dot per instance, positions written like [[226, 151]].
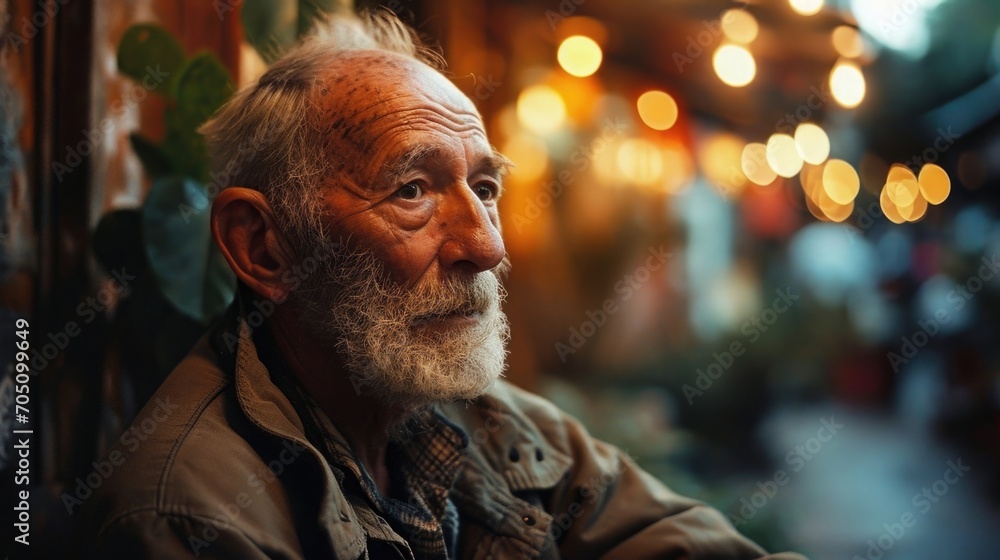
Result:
[[755, 244]]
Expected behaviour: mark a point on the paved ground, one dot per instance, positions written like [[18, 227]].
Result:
[[866, 476]]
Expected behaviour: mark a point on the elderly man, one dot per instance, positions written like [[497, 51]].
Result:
[[350, 407]]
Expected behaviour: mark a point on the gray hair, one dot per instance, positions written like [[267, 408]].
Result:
[[266, 138]]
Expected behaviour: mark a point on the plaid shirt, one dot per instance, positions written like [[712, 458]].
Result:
[[421, 517]]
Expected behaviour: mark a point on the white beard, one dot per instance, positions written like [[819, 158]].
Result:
[[376, 325]]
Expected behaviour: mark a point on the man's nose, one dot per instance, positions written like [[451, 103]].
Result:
[[473, 243]]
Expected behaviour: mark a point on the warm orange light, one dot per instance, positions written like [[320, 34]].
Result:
[[755, 166], [841, 182], [847, 84], [903, 193], [806, 7], [889, 208], [640, 161], [739, 25], [916, 211], [541, 109], [582, 25], [720, 159], [783, 156], [530, 156], [734, 65], [901, 185], [657, 109], [935, 185], [812, 143], [580, 56], [837, 212], [678, 169], [848, 42]]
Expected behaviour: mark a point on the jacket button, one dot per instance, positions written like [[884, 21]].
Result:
[[514, 455], [528, 520], [539, 455], [344, 517]]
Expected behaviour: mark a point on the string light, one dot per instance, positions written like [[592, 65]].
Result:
[[812, 143], [657, 109], [530, 157], [740, 26], [755, 166], [579, 56], [640, 161], [734, 65], [848, 41], [841, 182], [783, 156], [935, 185], [806, 7], [847, 84], [541, 109]]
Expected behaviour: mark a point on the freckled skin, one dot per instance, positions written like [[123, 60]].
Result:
[[378, 106]]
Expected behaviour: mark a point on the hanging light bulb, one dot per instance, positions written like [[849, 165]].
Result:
[[847, 83], [579, 56], [806, 7], [734, 65]]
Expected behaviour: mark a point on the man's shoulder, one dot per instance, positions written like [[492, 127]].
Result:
[[183, 451], [507, 423]]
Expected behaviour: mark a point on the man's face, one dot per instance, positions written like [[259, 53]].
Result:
[[414, 303]]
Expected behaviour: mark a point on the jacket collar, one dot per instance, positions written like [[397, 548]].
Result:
[[268, 408]]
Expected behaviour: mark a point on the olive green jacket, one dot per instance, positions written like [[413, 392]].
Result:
[[218, 466]]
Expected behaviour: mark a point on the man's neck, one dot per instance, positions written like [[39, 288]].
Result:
[[362, 419]]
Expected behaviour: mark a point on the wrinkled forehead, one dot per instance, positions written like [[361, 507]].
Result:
[[365, 93]]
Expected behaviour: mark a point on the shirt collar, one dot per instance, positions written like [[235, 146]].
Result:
[[429, 459], [267, 407]]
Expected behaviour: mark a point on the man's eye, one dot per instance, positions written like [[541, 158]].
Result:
[[486, 191], [409, 191]]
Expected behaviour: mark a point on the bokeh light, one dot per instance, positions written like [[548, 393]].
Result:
[[935, 185], [783, 156], [901, 186], [678, 169], [903, 193], [915, 211], [848, 41], [579, 56], [806, 7], [755, 166], [847, 84], [899, 172], [812, 143], [734, 65], [841, 182], [889, 208], [815, 180], [530, 156], [739, 26], [720, 159], [640, 161], [541, 109], [657, 109]]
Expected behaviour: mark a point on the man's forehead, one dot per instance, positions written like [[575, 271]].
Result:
[[365, 79]]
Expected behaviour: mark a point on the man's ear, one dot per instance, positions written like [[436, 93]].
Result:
[[243, 227]]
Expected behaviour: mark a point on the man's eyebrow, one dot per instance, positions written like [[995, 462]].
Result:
[[398, 166], [494, 164]]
